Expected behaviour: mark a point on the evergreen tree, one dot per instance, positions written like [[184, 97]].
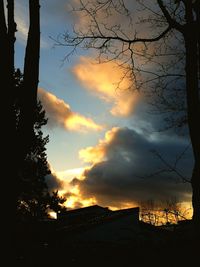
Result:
[[34, 199]]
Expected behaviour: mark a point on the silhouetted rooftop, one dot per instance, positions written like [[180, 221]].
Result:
[[87, 209], [87, 217]]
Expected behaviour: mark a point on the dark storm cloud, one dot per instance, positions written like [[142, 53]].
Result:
[[53, 182], [125, 174], [149, 120]]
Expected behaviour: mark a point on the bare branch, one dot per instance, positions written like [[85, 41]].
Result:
[[172, 168], [77, 40], [172, 23]]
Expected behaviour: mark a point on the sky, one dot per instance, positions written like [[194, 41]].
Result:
[[104, 143]]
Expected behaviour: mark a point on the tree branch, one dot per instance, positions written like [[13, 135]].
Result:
[[75, 41], [172, 23], [170, 167]]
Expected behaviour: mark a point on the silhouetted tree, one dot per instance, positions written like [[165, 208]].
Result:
[[21, 138], [171, 44], [33, 191], [34, 199], [56, 202], [165, 212]]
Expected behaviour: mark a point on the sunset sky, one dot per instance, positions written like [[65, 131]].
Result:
[[101, 139]]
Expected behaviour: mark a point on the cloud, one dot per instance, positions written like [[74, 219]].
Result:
[[122, 164], [60, 114], [98, 153], [53, 182], [107, 15], [67, 175], [103, 80], [70, 191]]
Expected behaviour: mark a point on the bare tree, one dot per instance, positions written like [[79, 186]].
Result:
[[164, 57], [165, 212]]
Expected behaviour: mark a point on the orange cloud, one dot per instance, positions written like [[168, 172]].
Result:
[[81, 123], [103, 80], [92, 154], [69, 174], [74, 198], [97, 153], [60, 114]]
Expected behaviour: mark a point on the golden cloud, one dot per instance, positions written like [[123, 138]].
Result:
[[103, 80], [74, 198], [69, 174], [97, 153], [81, 123], [60, 114]]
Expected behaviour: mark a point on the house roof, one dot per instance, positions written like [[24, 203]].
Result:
[[87, 209], [98, 218]]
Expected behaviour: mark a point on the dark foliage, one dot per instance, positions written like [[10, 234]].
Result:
[[34, 199]]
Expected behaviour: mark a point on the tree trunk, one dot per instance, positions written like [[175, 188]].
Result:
[[198, 23], [193, 106], [4, 68], [11, 36], [30, 83], [196, 195], [3, 42], [7, 39], [10, 72]]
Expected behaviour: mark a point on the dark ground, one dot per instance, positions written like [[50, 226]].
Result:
[[42, 246]]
